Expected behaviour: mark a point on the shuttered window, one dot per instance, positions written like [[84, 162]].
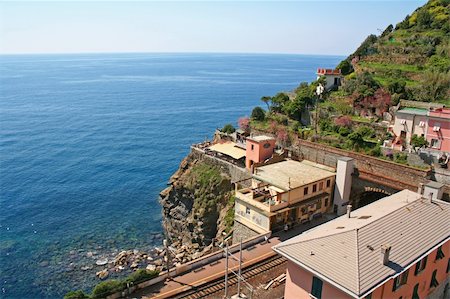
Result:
[[434, 283], [316, 289], [420, 266], [416, 292], [439, 254]]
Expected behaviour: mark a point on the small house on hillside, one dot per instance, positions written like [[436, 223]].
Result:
[[333, 77]]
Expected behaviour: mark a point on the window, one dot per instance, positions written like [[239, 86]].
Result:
[[316, 290], [448, 265], [247, 210], [305, 191], [326, 201], [368, 296], [421, 265], [266, 145], [415, 294], [314, 188], [439, 254], [328, 183], [319, 204], [320, 186], [400, 280], [435, 143], [434, 283], [253, 146]]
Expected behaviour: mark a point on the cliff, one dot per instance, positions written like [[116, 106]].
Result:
[[197, 206]]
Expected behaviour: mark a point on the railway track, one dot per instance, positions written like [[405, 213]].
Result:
[[218, 285]]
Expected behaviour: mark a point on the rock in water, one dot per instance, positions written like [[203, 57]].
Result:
[[101, 262], [151, 267], [102, 274]]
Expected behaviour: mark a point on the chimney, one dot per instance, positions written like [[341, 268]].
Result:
[[420, 189], [385, 250], [349, 210]]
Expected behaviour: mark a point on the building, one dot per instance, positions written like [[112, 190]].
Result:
[[258, 149], [396, 247], [438, 132], [333, 77], [409, 122], [286, 192]]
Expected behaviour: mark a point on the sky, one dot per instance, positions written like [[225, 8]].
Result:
[[301, 27]]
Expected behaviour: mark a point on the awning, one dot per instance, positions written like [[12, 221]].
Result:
[[403, 121], [436, 128], [229, 149], [422, 124]]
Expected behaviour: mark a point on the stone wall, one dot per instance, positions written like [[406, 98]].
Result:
[[367, 168], [241, 231]]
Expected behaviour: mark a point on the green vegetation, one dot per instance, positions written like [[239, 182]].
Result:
[[229, 217], [258, 114], [108, 287], [228, 128], [417, 50], [418, 141]]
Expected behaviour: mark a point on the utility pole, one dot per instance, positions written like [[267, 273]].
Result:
[[319, 91], [238, 274], [166, 246], [226, 271]]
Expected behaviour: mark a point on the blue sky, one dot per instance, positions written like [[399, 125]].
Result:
[[304, 27]]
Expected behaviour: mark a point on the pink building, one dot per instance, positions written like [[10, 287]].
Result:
[[258, 149], [438, 133], [397, 247]]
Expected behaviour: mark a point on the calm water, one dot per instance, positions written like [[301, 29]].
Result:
[[88, 141]]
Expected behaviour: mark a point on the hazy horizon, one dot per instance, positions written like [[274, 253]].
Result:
[[249, 27]]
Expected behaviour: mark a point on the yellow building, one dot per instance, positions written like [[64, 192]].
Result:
[[287, 192]]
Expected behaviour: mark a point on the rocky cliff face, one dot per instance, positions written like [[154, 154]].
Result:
[[196, 207]]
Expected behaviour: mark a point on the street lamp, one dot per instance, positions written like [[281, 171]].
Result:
[[319, 91]]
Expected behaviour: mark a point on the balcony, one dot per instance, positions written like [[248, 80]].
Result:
[[264, 198]]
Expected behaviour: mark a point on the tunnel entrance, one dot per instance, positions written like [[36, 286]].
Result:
[[371, 195]]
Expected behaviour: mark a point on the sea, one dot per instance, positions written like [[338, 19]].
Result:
[[87, 142]]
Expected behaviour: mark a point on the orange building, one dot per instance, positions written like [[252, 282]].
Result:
[[397, 247], [258, 149]]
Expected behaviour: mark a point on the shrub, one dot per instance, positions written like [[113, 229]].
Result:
[[418, 141], [344, 131], [228, 128], [141, 275], [244, 123], [76, 295], [343, 121], [401, 158], [108, 287], [258, 114]]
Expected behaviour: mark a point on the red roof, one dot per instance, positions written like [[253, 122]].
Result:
[[328, 72]]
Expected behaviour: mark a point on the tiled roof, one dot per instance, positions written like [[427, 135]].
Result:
[[347, 251]]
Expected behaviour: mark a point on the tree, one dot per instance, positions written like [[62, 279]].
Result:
[[278, 101], [266, 100], [228, 128], [346, 67], [244, 123], [387, 30], [258, 114], [418, 141], [424, 18]]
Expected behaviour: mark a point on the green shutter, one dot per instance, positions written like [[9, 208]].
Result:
[[434, 283], [439, 253], [416, 271], [317, 287], [415, 292]]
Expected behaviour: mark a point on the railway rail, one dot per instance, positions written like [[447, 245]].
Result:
[[218, 285]]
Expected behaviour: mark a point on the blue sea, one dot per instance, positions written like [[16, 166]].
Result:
[[88, 141]]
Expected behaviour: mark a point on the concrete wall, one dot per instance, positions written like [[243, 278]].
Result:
[[241, 231], [299, 284], [254, 219], [423, 279]]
